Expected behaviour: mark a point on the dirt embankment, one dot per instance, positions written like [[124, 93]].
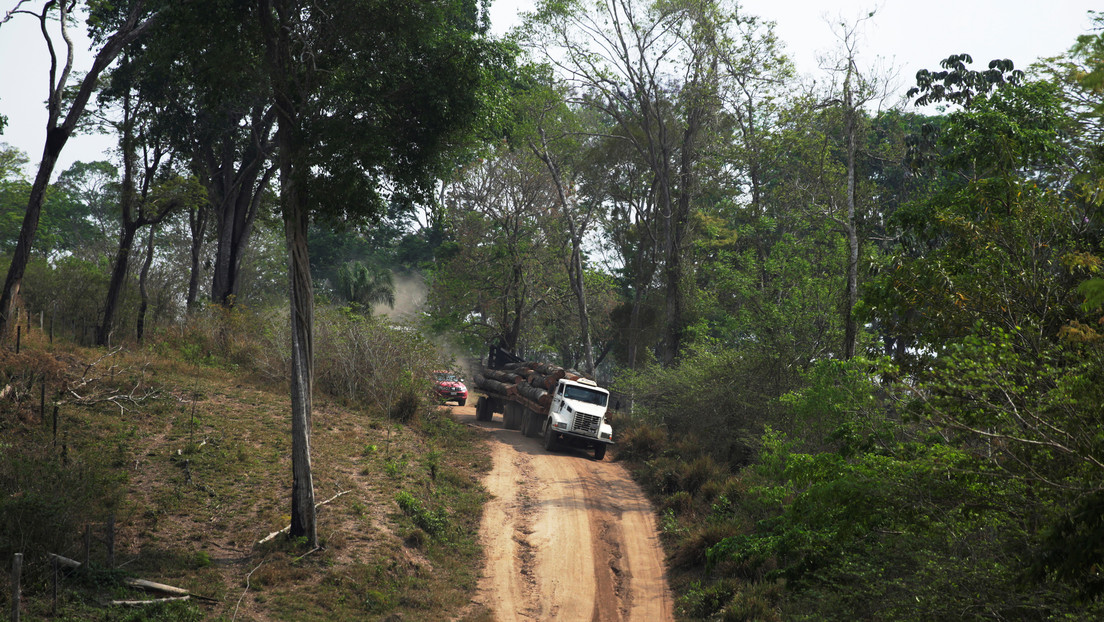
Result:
[[566, 537]]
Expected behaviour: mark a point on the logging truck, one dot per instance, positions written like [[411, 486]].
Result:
[[546, 401]]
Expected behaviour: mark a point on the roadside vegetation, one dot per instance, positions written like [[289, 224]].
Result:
[[184, 442]]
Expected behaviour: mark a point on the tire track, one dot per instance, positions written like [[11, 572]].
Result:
[[567, 538]]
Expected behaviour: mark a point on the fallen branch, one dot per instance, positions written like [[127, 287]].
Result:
[[288, 528], [317, 548], [247, 577], [152, 601], [142, 584]]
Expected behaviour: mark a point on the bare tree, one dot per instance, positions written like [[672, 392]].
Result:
[[61, 123], [852, 91]]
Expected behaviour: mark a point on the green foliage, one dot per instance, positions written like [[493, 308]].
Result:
[[839, 406], [434, 522], [896, 522], [695, 400]]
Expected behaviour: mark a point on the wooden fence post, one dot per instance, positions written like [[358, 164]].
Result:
[[54, 565], [17, 569], [111, 541]]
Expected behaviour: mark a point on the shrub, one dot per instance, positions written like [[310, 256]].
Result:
[[433, 522], [640, 441], [367, 361], [699, 472]]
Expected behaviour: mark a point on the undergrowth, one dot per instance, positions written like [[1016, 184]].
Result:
[[185, 444]]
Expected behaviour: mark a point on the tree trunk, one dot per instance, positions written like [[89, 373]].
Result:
[[115, 286], [197, 223], [143, 290], [22, 255], [852, 295], [302, 363], [238, 193], [274, 16]]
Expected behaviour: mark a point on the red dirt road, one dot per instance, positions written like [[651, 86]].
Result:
[[566, 538]]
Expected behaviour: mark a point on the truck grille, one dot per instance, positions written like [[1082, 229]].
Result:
[[586, 424]]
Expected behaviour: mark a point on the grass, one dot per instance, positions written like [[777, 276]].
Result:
[[203, 472]]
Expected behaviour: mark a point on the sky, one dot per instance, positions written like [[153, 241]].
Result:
[[908, 34]]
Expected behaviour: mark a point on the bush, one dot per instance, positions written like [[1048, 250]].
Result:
[[367, 361], [712, 399], [640, 441], [46, 500], [433, 522]]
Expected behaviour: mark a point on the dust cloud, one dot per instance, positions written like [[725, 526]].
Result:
[[410, 297]]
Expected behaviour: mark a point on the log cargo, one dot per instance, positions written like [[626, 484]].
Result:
[[535, 394], [494, 386]]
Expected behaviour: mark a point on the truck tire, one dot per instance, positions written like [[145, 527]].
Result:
[[599, 451], [461, 401], [549, 436], [483, 410], [513, 411], [530, 424]]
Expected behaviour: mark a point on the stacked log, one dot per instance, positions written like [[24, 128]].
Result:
[[494, 386], [534, 381], [535, 394], [504, 377]]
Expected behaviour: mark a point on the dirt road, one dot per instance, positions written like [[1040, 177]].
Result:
[[566, 538]]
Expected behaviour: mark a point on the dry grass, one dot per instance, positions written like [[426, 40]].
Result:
[[204, 463]]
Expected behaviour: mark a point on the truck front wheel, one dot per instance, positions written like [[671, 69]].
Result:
[[549, 436], [599, 451]]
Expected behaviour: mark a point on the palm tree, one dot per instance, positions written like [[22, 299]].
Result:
[[365, 285]]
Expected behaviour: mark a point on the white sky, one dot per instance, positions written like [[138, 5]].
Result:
[[909, 34]]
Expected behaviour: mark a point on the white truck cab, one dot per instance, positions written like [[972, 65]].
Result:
[[577, 416]]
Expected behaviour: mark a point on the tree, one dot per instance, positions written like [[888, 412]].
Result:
[[366, 285], [218, 117], [368, 96], [652, 69], [495, 276], [853, 93], [552, 132], [95, 186], [133, 21]]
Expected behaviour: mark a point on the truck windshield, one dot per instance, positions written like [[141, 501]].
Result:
[[585, 395]]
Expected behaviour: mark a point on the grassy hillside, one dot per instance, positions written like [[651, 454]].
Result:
[[186, 441]]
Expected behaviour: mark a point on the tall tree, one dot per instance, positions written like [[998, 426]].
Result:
[[63, 112], [553, 133], [369, 96], [853, 90], [494, 278], [652, 69], [219, 117]]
